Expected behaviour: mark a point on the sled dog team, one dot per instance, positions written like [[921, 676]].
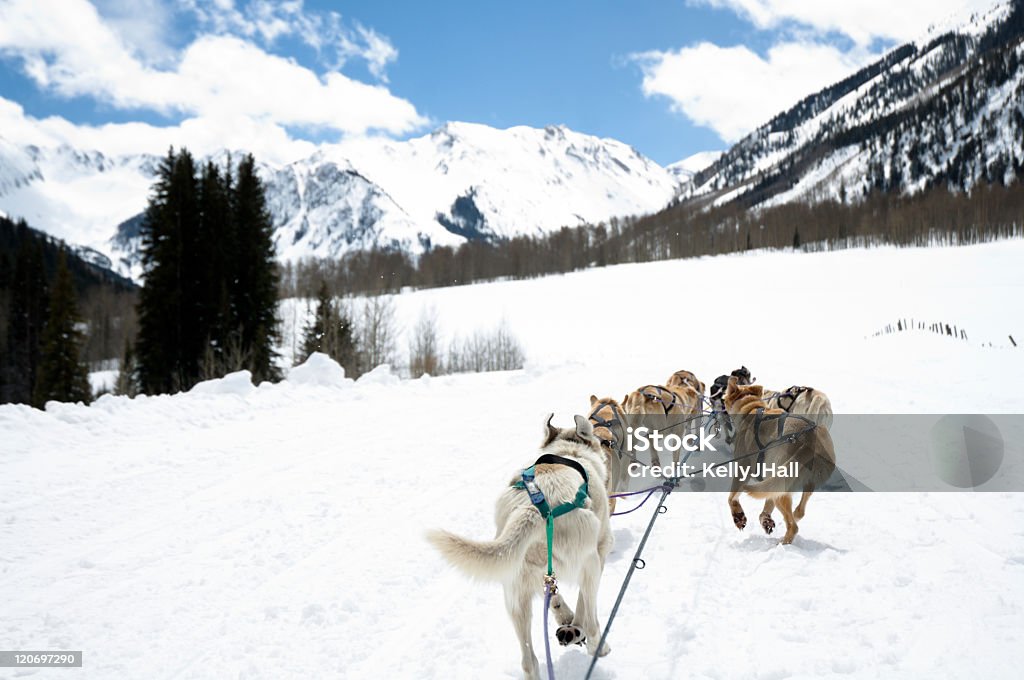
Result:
[[591, 451]]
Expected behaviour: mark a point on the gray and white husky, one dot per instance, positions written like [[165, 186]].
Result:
[[517, 557]]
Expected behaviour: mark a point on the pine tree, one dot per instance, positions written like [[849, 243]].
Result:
[[329, 331], [209, 302], [216, 243], [27, 318], [62, 376], [255, 272], [168, 348]]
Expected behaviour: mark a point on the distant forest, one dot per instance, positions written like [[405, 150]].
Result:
[[105, 302], [933, 217]]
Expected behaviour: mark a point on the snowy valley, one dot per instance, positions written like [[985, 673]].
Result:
[[233, 521]]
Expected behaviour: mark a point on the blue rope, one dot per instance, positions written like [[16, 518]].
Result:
[[547, 640]]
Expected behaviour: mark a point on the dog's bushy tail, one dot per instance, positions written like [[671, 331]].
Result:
[[490, 560]]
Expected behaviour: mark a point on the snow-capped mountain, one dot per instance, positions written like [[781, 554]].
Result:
[[460, 181], [685, 169], [946, 110]]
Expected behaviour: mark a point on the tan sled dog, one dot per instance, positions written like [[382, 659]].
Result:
[[517, 557], [768, 437], [609, 423], [797, 399], [685, 384], [657, 400]]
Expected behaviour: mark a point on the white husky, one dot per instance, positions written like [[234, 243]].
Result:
[[517, 557]]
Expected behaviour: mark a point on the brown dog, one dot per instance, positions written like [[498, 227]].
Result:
[[609, 421], [657, 400], [686, 384], [770, 437], [797, 399]]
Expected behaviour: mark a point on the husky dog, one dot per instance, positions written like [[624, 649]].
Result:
[[517, 557], [759, 430], [609, 423]]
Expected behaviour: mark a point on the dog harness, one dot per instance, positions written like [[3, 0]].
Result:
[[549, 514], [607, 424]]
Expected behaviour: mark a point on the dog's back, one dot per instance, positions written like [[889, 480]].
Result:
[[521, 540]]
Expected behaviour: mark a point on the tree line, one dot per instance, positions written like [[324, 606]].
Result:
[[937, 216]]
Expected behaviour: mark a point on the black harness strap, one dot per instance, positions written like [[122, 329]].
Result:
[[658, 398], [793, 393], [608, 424], [550, 458]]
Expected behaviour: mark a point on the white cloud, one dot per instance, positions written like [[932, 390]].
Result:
[[68, 48], [325, 32], [862, 21], [203, 136], [732, 90]]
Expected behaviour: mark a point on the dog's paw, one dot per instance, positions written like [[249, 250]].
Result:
[[740, 520], [767, 523], [569, 635]]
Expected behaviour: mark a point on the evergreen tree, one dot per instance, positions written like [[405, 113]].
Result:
[[26, 319], [209, 301], [329, 331], [215, 250], [255, 272], [62, 376], [168, 346]]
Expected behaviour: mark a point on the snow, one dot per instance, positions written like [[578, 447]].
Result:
[[318, 369], [692, 164], [277, 531], [103, 381], [363, 192]]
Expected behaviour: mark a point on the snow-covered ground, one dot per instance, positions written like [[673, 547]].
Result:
[[277, 531]]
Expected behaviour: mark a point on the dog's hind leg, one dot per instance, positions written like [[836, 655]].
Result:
[[739, 518], [801, 508], [518, 598], [767, 523], [785, 503], [586, 606]]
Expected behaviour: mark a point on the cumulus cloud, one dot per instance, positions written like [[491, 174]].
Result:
[[204, 136], [862, 21], [734, 89], [218, 82]]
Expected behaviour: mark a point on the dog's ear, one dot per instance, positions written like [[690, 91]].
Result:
[[550, 431], [703, 387], [731, 385], [584, 429], [756, 390], [593, 400]]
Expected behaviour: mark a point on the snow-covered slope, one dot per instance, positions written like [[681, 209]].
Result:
[[946, 110], [460, 181], [277, 531], [685, 169]]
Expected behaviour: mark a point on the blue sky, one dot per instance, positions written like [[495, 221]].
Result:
[[670, 77]]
